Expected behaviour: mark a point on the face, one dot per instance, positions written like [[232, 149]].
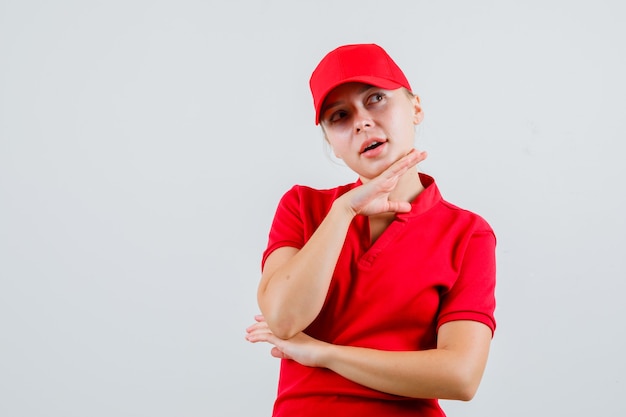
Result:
[[370, 128]]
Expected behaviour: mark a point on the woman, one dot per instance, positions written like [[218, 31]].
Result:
[[378, 296]]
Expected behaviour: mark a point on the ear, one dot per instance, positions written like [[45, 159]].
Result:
[[418, 112]]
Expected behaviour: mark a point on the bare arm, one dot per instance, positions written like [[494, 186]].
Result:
[[295, 282], [451, 371]]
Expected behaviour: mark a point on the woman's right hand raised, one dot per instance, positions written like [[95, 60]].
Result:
[[373, 197]]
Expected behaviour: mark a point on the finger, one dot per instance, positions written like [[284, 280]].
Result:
[[260, 336], [277, 353], [258, 329], [421, 155], [262, 333], [255, 326], [400, 206], [414, 157], [404, 164]]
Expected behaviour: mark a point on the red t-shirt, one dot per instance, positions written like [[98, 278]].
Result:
[[432, 265]]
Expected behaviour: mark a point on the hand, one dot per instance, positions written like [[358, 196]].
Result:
[[373, 197], [301, 348]]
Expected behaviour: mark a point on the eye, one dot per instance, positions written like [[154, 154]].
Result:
[[375, 98], [337, 116]]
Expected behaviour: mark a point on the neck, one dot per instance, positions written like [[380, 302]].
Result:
[[409, 186]]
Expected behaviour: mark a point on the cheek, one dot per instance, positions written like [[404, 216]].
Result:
[[338, 150], [339, 142], [403, 128]]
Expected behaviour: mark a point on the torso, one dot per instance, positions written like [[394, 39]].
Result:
[[389, 295]]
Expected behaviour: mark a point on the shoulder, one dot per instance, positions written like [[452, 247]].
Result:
[[432, 201], [453, 217], [472, 218], [309, 197]]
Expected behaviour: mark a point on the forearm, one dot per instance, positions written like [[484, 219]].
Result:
[[451, 371], [422, 374], [293, 294]]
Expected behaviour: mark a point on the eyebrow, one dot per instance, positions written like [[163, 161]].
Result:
[[338, 103]]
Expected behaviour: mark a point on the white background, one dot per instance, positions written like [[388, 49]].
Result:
[[144, 146]]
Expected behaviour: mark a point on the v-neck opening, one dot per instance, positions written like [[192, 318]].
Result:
[[373, 249], [424, 201]]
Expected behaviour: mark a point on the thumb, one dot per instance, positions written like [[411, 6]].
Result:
[[277, 353], [400, 206]]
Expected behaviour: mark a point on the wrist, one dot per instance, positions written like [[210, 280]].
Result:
[[326, 355], [342, 206]]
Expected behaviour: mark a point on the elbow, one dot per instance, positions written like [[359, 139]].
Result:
[[280, 324], [282, 329], [285, 335], [282, 321], [466, 393], [465, 385]]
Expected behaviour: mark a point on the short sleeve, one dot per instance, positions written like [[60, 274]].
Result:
[[472, 296], [287, 227]]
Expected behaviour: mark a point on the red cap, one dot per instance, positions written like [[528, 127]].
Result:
[[365, 63]]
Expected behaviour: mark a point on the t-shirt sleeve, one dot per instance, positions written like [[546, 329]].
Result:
[[472, 296], [287, 227]]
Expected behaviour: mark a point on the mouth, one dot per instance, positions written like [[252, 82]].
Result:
[[372, 145]]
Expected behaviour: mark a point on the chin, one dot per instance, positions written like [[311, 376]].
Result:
[[367, 176]]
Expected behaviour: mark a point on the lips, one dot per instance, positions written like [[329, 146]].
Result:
[[371, 144]]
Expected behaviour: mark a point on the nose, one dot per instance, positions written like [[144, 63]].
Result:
[[362, 121]]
